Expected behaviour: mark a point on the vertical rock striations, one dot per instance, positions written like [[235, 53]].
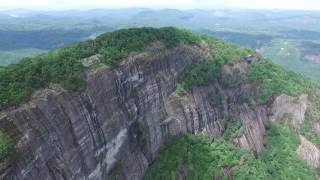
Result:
[[85, 134], [117, 123]]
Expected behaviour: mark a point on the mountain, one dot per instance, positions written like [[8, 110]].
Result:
[[280, 35], [148, 103]]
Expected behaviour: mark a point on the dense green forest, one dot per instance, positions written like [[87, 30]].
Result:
[[63, 66], [210, 68], [274, 80], [203, 157]]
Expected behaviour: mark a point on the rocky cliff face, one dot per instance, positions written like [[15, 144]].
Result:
[[309, 152], [116, 119], [114, 127], [295, 107]]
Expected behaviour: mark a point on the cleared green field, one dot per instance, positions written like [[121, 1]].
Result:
[[287, 53]]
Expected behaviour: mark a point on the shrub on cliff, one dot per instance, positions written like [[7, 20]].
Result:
[[210, 68], [234, 129], [202, 157], [6, 147], [312, 117], [280, 157], [274, 80], [201, 74]]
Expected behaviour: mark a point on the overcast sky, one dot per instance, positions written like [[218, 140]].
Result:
[[182, 4]]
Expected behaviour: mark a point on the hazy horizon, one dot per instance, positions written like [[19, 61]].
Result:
[[47, 5]]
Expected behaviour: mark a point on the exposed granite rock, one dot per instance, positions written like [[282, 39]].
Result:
[[193, 113], [309, 152], [81, 135], [114, 127], [254, 121], [253, 117], [318, 91], [92, 60], [316, 128], [295, 107]]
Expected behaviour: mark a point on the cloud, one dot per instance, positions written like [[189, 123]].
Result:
[[207, 4]]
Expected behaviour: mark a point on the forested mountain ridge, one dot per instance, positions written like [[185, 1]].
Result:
[[63, 66], [278, 34], [147, 103]]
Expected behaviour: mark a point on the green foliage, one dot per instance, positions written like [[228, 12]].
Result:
[[18, 81], [63, 66], [6, 147], [233, 130], [232, 80], [117, 45], [179, 89], [112, 55], [280, 155], [210, 68], [273, 80], [203, 158], [226, 53], [312, 117], [201, 74]]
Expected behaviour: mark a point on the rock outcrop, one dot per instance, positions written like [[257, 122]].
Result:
[[309, 152], [118, 120], [316, 128], [254, 121], [293, 107], [115, 126]]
